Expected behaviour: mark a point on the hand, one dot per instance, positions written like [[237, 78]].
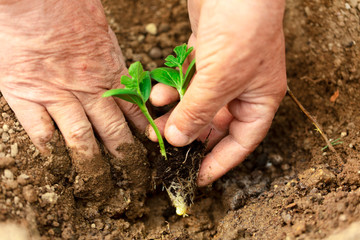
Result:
[[238, 86], [57, 58]]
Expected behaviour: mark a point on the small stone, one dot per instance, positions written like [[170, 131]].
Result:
[[151, 28], [353, 3], [93, 225], [312, 177], [141, 38], [5, 128], [29, 194], [5, 137], [343, 134], [23, 179], [6, 162], [347, 6], [351, 125], [164, 27], [14, 150], [151, 66], [16, 200], [342, 218], [276, 159], [8, 175], [299, 228], [11, 131], [50, 198], [155, 53], [286, 217], [285, 167], [10, 184]]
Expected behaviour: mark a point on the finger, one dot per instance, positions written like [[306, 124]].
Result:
[[196, 110], [245, 133], [160, 122], [35, 120], [73, 123], [218, 128], [162, 95], [107, 120]]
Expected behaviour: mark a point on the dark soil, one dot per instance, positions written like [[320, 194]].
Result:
[[287, 189]]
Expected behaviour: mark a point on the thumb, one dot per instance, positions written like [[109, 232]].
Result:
[[195, 111]]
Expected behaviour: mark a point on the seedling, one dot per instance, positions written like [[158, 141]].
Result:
[[137, 90], [173, 77]]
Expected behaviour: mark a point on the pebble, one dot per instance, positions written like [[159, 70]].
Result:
[[141, 38], [8, 174], [50, 198], [6, 162], [155, 53], [347, 6], [343, 134], [276, 159], [164, 27], [342, 218], [10, 184], [29, 194], [14, 150], [5, 128], [151, 28], [286, 217], [5, 137], [23, 179], [16, 200], [299, 228], [151, 66], [353, 3]]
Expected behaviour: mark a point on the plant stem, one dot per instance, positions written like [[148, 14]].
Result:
[[145, 111], [181, 90]]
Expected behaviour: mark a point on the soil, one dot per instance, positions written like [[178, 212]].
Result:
[[287, 189]]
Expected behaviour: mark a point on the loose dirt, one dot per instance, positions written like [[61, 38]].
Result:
[[287, 189]]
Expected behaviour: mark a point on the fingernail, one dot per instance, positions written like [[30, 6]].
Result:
[[176, 137]]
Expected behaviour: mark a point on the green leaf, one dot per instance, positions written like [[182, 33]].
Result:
[[181, 54], [189, 74], [128, 82], [171, 61], [145, 85], [125, 94], [167, 76], [136, 70]]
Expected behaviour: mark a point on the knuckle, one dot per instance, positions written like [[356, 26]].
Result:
[[115, 128], [197, 117], [42, 137], [81, 131]]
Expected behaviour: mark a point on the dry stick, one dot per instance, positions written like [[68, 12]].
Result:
[[313, 120]]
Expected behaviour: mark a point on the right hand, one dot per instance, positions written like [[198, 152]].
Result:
[[239, 84]]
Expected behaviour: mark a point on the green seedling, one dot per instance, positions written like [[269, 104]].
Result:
[[173, 77], [333, 143], [137, 90]]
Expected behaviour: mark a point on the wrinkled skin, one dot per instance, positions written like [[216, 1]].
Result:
[[57, 58], [238, 86]]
